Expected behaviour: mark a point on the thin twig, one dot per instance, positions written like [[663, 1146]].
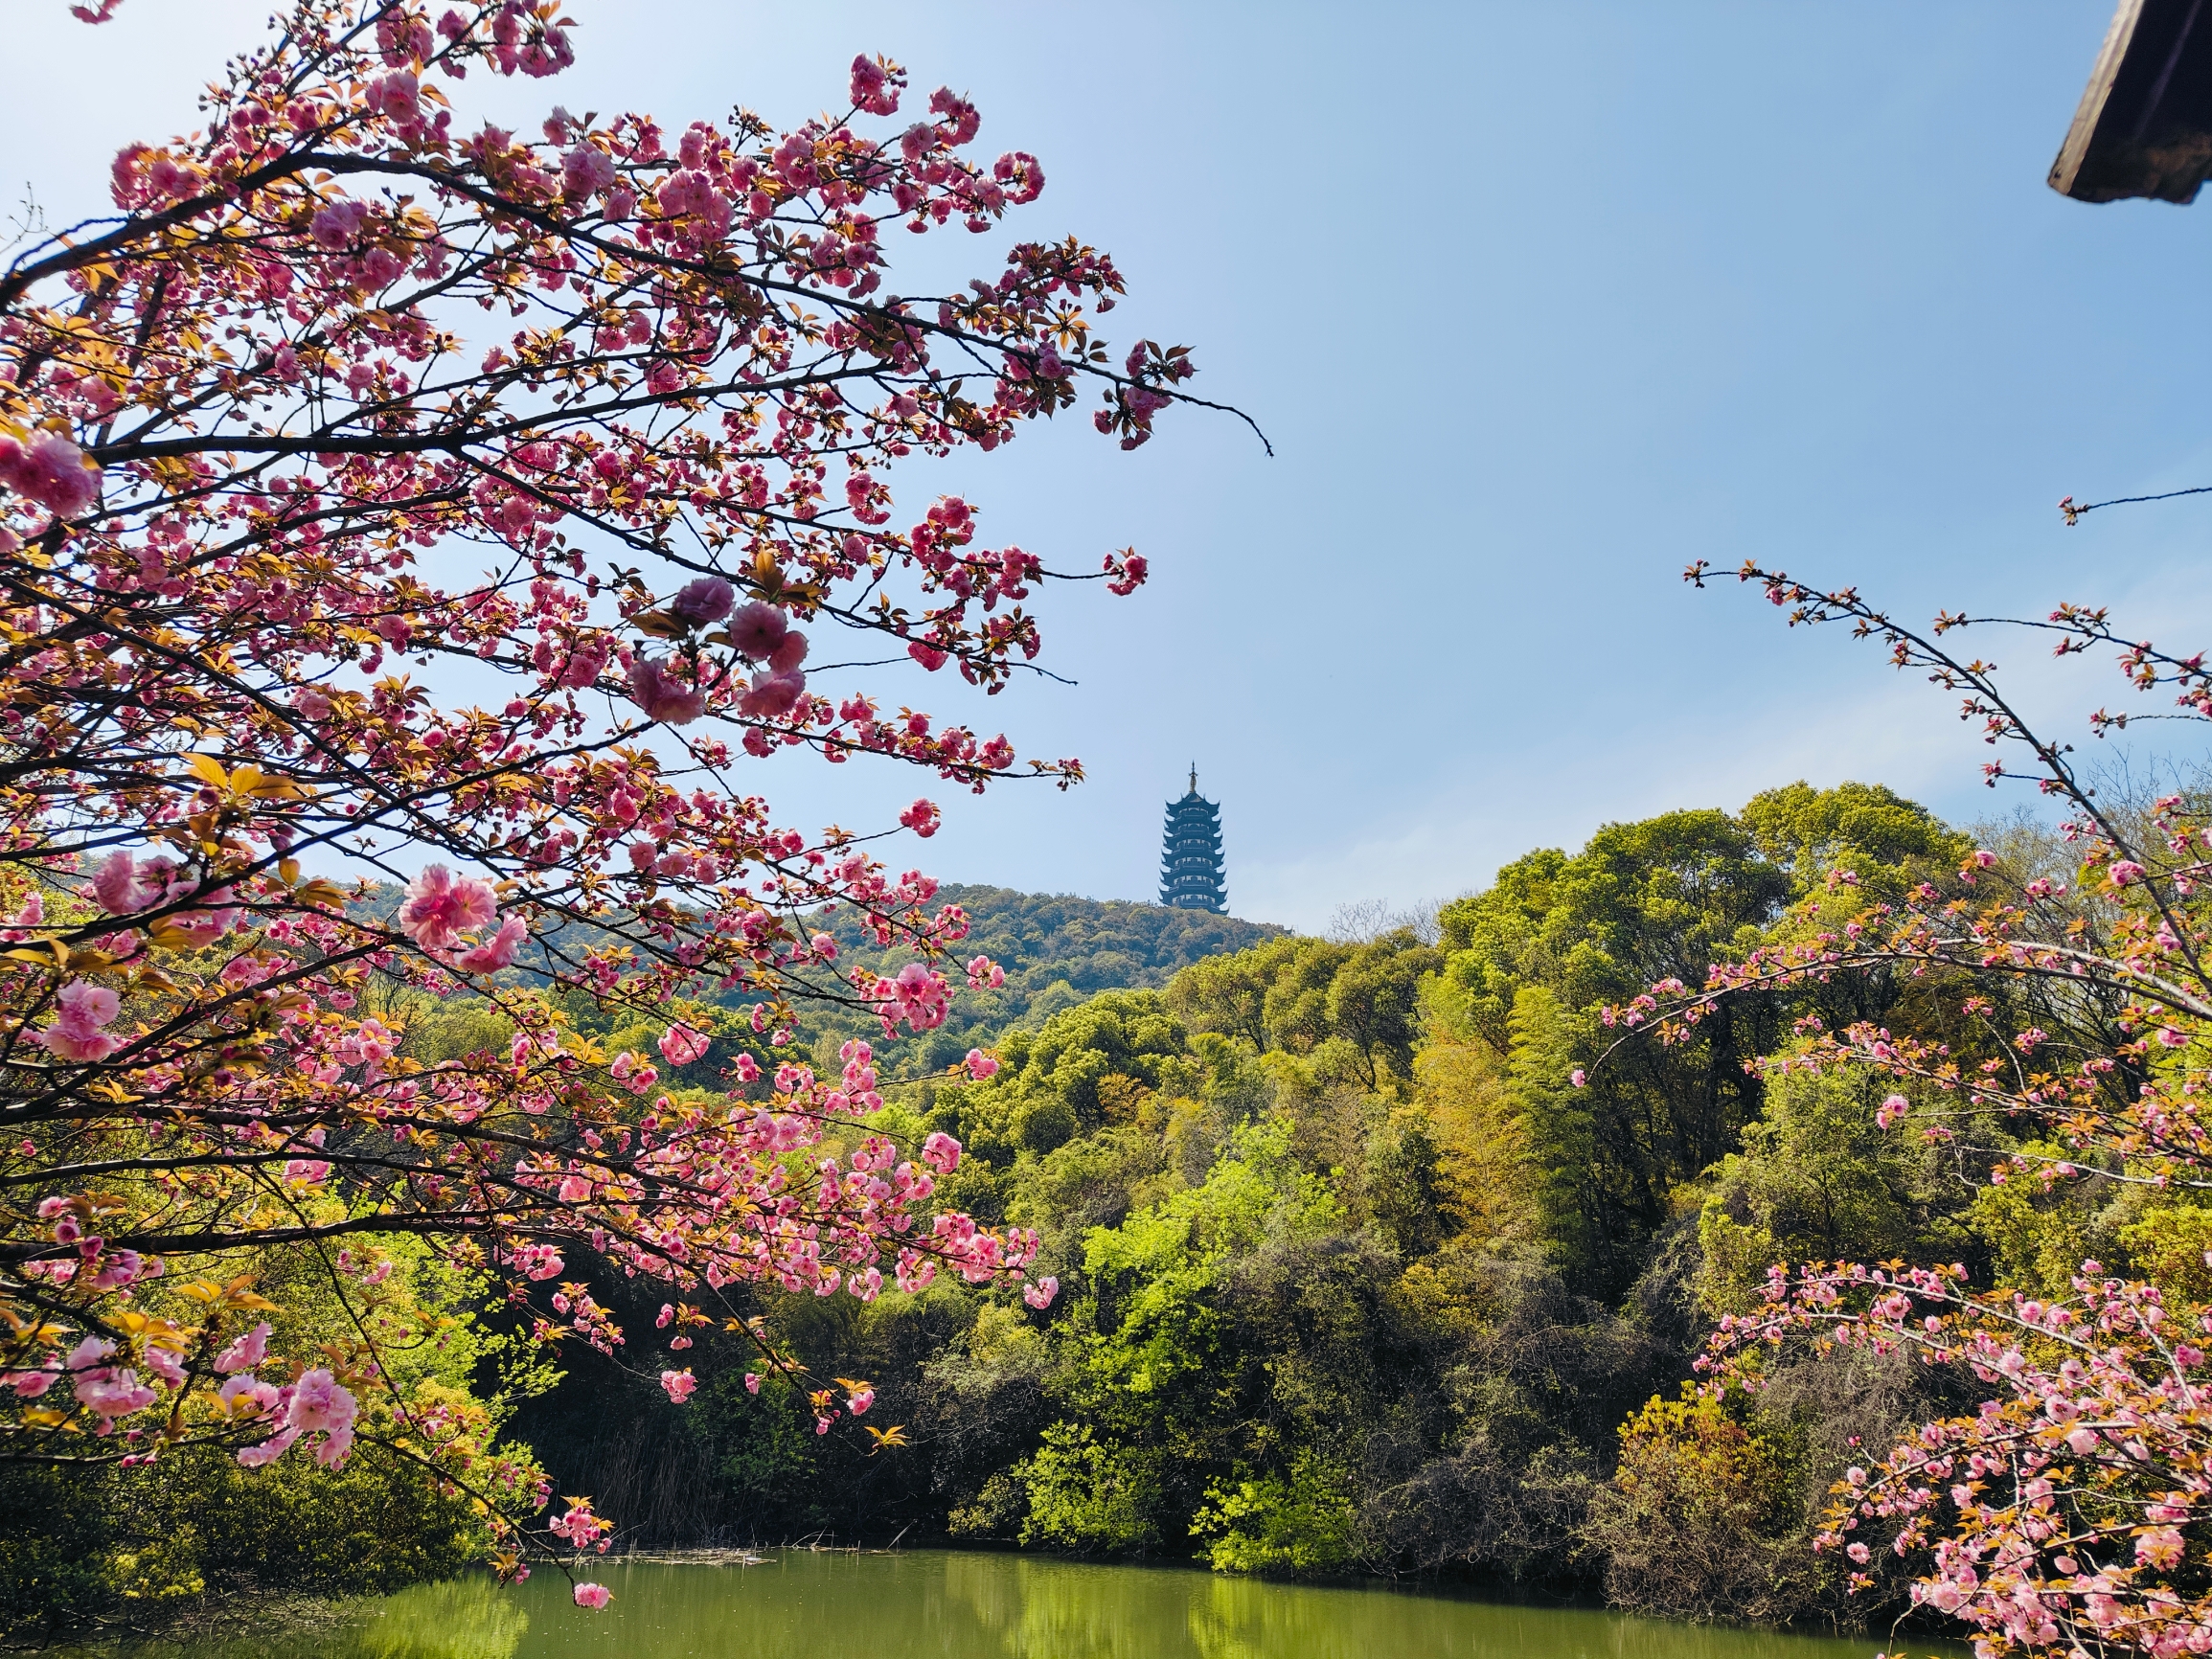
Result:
[[2074, 512]]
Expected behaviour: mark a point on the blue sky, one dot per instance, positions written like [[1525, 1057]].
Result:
[[1537, 303]]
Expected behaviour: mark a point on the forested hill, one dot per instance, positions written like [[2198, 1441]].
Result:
[[1046, 939], [1057, 949]]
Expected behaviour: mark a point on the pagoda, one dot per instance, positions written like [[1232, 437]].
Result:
[[1191, 876]]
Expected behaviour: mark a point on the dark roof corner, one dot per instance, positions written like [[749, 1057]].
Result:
[[2144, 127]]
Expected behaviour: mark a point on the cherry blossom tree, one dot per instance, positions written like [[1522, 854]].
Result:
[[385, 492], [2072, 1510]]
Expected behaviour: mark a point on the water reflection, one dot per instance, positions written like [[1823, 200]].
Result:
[[959, 1606], [471, 1619]]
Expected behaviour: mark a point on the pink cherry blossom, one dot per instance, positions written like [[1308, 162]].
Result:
[[337, 226], [756, 630], [595, 1597], [32, 914], [117, 885], [633, 333], [87, 1003], [111, 1393], [267, 1451], [75, 1034], [661, 694], [583, 665], [319, 1402], [875, 86], [679, 1385], [439, 908], [245, 1393], [585, 171], [540, 1261], [705, 601], [49, 470], [773, 694], [496, 951], [958, 118], [245, 1351], [88, 1354], [578, 1525], [680, 1045], [915, 994], [921, 818]]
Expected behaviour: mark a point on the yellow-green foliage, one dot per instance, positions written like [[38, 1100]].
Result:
[[1705, 1515], [1084, 1493], [1296, 1525], [1088, 1066], [1818, 1180], [2038, 1240], [1692, 1465], [194, 1524], [2171, 1246]]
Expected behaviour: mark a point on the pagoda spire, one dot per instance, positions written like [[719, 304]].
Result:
[[1191, 868]]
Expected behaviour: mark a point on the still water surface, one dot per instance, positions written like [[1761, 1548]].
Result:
[[932, 1605]]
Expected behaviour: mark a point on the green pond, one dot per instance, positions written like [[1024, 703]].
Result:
[[963, 1605]]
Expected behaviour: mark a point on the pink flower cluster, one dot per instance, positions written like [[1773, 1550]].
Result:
[[76, 1033], [875, 85], [662, 694], [49, 470], [124, 886], [441, 911], [680, 1045], [540, 1261], [2093, 1395], [580, 1527], [439, 908], [316, 1404], [915, 994], [107, 1392]]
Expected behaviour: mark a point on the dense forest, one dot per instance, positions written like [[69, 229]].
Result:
[[1354, 1280]]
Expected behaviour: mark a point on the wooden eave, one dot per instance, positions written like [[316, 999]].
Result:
[[2144, 127]]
